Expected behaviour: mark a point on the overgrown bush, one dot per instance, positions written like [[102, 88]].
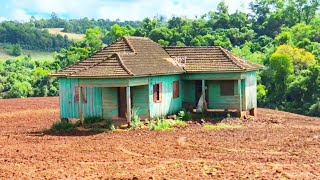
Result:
[[63, 126]]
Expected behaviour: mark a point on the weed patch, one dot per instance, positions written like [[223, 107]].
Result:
[[63, 126], [220, 126]]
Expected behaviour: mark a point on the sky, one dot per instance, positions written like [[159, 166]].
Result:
[[22, 10]]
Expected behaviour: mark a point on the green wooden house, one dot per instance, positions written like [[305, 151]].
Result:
[[137, 72]]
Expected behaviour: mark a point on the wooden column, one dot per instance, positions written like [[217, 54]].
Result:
[[128, 94], [240, 95], [80, 105], [203, 94]]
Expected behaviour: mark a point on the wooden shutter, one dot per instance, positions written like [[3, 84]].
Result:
[[76, 94], [227, 88], [155, 92], [176, 89], [84, 94], [160, 92]]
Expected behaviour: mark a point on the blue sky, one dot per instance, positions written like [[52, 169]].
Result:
[[22, 10]]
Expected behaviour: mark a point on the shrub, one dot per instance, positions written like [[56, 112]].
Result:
[[315, 109], [63, 126], [183, 115], [220, 126], [109, 125], [135, 119], [91, 120]]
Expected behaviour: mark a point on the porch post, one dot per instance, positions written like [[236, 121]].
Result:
[[80, 105], [128, 105], [203, 95], [240, 95]]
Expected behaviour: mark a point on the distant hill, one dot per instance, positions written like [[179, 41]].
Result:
[[35, 55], [72, 36]]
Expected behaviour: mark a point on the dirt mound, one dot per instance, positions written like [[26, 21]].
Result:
[[275, 145]]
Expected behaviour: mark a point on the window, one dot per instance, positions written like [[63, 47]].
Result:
[[76, 94], [157, 92], [176, 89], [227, 88]]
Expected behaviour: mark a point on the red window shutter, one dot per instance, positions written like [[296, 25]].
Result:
[[84, 94], [176, 89], [155, 93], [160, 92], [76, 94]]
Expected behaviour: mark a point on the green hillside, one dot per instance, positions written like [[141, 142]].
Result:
[[35, 55]]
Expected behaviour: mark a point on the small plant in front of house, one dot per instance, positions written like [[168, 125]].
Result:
[[161, 124], [63, 126], [109, 125], [220, 126], [91, 120], [135, 119], [184, 115]]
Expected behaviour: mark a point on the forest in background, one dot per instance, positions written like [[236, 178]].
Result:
[[283, 35]]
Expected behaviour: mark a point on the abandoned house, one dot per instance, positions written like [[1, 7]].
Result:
[[137, 72]]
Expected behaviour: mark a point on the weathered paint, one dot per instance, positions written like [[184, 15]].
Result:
[[251, 90], [69, 108], [140, 100], [216, 101], [110, 108], [168, 105], [188, 91]]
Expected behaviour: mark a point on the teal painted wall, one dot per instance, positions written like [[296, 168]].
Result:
[[69, 108], [140, 100], [188, 92], [168, 105], [216, 101], [110, 102], [214, 76], [251, 90]]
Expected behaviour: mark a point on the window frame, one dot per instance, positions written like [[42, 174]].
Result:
[[76, 94]]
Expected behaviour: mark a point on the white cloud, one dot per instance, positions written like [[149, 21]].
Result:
[[2, 19], [120, 9]]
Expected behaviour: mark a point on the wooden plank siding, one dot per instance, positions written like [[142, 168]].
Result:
[[214, 76], [69, 108], [140, 100], [110, 103], [168, 105], [251, 90], [217, 101]]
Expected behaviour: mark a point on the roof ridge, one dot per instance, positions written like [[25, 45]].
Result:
[[231, 58], [129, 44], [122, 63]]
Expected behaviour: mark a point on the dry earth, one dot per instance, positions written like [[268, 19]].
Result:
[[275, 145]]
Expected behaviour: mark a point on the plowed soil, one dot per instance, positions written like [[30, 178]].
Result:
[[275, 145]]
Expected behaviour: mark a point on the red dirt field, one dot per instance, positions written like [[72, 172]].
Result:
[[275, 145]]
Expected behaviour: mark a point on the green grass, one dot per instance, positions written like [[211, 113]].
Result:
[[71, 36], [35, 55], [221, 126]]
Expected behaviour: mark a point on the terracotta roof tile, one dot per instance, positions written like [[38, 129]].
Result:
[[136, 56]]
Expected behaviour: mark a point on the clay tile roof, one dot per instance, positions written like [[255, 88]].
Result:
[[136, 56], [210, 59]]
